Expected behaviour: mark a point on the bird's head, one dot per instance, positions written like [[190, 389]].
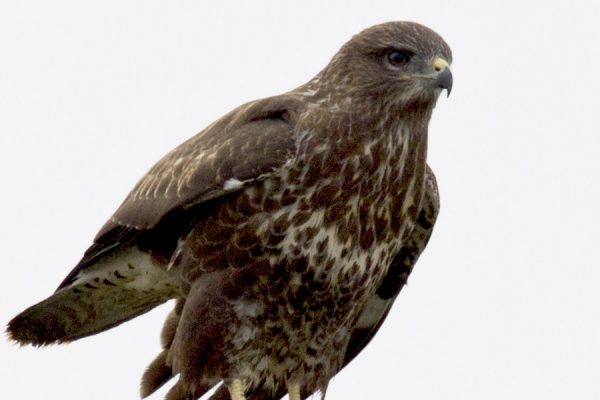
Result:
[[402, 63]]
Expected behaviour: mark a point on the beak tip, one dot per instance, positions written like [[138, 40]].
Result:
[[444, 80]]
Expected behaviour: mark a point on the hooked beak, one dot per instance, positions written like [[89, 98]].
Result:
[[442, 75]]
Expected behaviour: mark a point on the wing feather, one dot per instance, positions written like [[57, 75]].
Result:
[[377, 308], [249, 142], [244, 145], [102, 290]]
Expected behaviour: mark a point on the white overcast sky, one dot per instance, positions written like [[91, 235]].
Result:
[[505, 302]]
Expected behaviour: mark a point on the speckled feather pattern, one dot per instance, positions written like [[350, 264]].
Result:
[[285, 229], [328, 242]]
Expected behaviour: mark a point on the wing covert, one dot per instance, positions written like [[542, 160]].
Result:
[[246, 144], [252, 140]]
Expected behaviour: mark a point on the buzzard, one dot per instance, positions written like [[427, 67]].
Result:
[[284, 230]]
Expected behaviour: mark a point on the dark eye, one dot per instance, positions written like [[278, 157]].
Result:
[[398, 58]]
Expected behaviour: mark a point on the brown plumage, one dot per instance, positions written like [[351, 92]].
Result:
[[285, 229]]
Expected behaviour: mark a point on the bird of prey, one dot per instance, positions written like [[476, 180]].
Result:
[[284, 230]]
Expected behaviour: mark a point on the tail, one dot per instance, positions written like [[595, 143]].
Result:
[[116, 288]]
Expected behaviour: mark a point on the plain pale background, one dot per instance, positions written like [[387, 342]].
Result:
[[505, 302]]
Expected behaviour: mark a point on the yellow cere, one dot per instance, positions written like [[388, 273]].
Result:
[[440, 64]]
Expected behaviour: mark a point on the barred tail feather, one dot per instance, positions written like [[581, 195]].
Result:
[[101, 296]]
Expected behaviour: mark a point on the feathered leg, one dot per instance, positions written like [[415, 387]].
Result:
[[294, 391], [236, 390]]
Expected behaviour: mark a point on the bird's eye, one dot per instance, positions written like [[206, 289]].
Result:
[[398, 58]]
